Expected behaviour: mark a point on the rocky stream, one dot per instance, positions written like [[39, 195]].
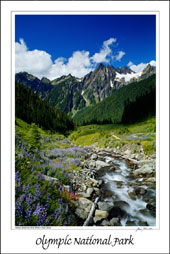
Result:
[[125, 187]]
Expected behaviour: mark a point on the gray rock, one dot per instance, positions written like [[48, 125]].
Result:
[[67, 187], [144, 170], [151, 179], [83, 207], [89, 191], [97, 191], [102, 214], [144, 212], [108, 159], [101, 164], [115, 150], [150, 194], [140, 191], [93, 182], [104, 206], [92, 164], [83, 195], [143, 223], [97, 218], [153, 156], [130, 223], [94, 156], [122, 204], [105, 223], [127, 152], [132, 195], [83, 187], [133, 156], [114, 222]]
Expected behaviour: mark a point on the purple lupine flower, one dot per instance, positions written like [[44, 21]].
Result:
[[37, 192], [65, 223], [40, 176], [20, 155], [27, 189], [41, 214], [60, 189], [28, 213], [37, 210], [57, 212], [66, 175], [47, 204], [29, 199], [17, 179], [69, 220], [76, 150], [60, 201], [22, 197], [76, 162], [24, 188], [56, 165], [18, 208]]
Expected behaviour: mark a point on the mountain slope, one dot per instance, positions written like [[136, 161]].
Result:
[[32, 109], [101, 83], [138, 97], [40, 87], [66, 94]]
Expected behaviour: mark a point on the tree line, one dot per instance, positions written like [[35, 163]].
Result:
[[32, 109]]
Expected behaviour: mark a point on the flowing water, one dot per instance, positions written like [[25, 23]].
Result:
[[129, 195]]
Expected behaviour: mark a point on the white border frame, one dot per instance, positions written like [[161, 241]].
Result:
[[146, 241]]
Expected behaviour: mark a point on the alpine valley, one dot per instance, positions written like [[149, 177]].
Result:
[[85, 149]]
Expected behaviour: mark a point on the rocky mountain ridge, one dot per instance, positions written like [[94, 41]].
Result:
[[70, 94]]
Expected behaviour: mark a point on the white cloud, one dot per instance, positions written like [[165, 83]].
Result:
[[129, 64], [109, 42], [105, 51], [20, 47], [140, 67], [78, 65], [35, 62], [153, 63], [119, 55]]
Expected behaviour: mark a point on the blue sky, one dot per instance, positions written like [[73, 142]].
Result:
[[64, 40]]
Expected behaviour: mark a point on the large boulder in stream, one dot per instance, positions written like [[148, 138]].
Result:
[[100, 215], [83, 207]]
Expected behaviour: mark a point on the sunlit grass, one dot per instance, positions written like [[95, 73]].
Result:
[[114, 135]]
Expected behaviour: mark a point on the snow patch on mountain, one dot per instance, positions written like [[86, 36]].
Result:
[[128, 76]]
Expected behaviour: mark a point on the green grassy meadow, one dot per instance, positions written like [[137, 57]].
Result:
[[113, 135]]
